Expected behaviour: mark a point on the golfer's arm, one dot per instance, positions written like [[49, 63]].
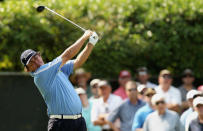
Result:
[[82, 57], [70, 52]]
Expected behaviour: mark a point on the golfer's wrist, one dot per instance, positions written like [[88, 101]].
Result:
[[90, 44], [84, 37]]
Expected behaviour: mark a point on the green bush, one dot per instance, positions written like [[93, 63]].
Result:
[[154, 33]]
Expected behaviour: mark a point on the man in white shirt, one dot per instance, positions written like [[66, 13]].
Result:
[[171, 95], [162, 119], [104, 106]]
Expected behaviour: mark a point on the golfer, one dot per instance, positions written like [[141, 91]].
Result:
[[52, 80]]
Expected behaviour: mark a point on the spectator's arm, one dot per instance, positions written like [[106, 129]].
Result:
[[95, 114], [175, 102], [184, 105], [99, 122], [174, 107], [137, 122], [113, 127], [114, 115]]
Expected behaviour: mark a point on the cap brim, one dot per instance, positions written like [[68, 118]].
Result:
[[31, 58]]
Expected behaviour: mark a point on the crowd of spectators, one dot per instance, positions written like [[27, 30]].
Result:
[[140, 105]]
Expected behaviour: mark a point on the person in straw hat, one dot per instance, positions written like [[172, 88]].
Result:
[[80, 79]]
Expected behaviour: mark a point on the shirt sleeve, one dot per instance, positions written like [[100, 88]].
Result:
[[137, 122], [114, 114], [94, 112], [48, 73], [68, 67]]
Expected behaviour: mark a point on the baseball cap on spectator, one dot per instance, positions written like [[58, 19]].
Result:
[[192, 93], [124, 73], [103, 83], [141, 87], [149, 91], [187, 72], [198, 101], [94, 82], [200, 88], [156, 98], [164, 72], [80, 91], [142, 71]]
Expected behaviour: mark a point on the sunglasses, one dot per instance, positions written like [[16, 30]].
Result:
[[149, 95], [160, 102], [132, 89], [167, 76], [187, 76]]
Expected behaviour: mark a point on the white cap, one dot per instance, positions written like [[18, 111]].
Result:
[[198, 100], [103, 83], [141, 87], [80, 91], [191, 94], [156, 98], [94, 81]]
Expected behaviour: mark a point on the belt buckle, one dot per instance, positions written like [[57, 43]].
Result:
[[75, 117]]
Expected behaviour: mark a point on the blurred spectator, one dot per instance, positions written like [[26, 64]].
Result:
[[192, 115], [197, 124], [94, 89], [104, 105], [200, 88], [187, 79], [143, 77], [171, 94], [124, 77], [190, 96], [144, 111], [141, 90], [86, 110], [80, 78], [126, 111], [162, 119]]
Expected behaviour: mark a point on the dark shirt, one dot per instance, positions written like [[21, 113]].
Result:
[[183, 92], [195, 125]]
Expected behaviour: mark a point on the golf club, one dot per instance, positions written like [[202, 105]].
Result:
[[41, 8]]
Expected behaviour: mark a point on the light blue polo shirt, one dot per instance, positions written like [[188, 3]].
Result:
[[140, 116], [56, 89]]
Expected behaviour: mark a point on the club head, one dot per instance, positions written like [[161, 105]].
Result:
[[40, 8]]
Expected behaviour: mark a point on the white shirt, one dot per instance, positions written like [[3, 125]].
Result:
[[171, 96], [99, 107], [189, 118]]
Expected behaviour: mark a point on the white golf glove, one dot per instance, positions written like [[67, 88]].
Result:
[[93, 38]]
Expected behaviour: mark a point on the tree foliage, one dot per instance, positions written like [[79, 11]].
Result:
[[154, 33]]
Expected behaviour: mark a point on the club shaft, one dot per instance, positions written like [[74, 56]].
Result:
[[65, 19]]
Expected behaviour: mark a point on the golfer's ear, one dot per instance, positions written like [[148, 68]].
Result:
[[26, 69]]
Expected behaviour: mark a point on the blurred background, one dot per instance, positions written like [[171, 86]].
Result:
[[156, 34]]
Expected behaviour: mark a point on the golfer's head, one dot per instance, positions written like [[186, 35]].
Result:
[[31, 60]]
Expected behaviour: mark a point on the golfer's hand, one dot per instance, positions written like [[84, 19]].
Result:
[[93, 38], [87, 34]]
